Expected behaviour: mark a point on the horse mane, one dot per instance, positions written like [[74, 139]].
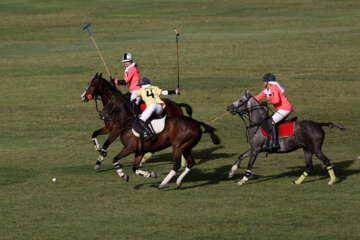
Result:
[[118, 94]]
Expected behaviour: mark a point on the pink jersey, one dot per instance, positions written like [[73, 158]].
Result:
[[132, 77], [276, 97]]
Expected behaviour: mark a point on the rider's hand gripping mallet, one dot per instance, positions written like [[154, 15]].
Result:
[[177, 55], [102, 59]]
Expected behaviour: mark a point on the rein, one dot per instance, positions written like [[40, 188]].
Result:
[[255, 124]]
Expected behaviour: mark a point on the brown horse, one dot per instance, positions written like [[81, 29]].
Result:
[[112, 123], [181, 132]]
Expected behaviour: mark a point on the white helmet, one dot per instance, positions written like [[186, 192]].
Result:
[[127, 57]]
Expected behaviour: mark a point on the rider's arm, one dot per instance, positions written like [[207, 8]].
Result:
[[260, 96], [170, 92]]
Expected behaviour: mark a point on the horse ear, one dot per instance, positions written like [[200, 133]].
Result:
[[247, 94], [96, 75], [100, 75]]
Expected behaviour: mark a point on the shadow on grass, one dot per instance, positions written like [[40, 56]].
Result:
[[341, 171], [204, 178]]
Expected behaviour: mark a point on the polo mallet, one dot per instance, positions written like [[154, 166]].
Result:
[[102, 59], [177, 56], [215, 119]]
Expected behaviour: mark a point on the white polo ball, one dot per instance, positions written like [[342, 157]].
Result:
[[54, 179]]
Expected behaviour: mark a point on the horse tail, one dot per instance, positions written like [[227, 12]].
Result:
[[208, 129], [187, 107], [331, 125]]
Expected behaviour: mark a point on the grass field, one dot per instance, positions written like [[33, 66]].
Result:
[[225, 47]]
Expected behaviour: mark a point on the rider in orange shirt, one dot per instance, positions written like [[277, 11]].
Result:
[[275, 95], [131, 75]]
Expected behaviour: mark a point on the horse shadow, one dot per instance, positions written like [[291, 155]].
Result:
[[203, 178], [200, 156], [341, 170]]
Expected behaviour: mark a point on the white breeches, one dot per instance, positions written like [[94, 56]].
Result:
[[135, 96], [280, 115], [152, 108]]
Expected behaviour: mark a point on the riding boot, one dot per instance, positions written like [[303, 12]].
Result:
[[150, 135], [275, 134], [136, 108]]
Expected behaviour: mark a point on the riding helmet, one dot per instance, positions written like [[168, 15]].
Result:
[[143, 81], [127, 57], [268, 77]]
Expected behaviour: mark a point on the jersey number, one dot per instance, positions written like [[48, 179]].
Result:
[[150, 95]]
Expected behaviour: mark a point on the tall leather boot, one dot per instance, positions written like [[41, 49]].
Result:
[[275, 135], [150, 135]]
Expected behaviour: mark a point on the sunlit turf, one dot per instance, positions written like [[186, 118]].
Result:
[[225, 47]]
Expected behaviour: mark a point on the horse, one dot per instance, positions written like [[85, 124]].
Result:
[[112, 123], [307, 135], [181, 132]]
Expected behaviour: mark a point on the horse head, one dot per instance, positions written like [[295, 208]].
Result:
[[240, 106], [95, 88]]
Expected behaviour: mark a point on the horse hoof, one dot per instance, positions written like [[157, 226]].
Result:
[[97, 165], [231, 174], [240, 183], [178, 185], [153, 175], [333, 182], [161, 186], [126, 177]]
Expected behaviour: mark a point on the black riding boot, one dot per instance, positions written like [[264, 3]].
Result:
[[136, 108], [275, 134], [150, 135]]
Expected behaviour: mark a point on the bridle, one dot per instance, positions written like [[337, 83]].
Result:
[[244, 116]]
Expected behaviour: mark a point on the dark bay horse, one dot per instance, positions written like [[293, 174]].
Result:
[[181, 132], [307, 135], [112, 123]]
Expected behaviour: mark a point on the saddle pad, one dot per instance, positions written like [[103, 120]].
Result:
[[157, 124], [142, 107], [285, 130]]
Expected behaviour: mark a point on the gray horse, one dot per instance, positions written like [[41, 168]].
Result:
[[308, 135]]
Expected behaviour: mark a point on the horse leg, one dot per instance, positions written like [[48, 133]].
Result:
[[137, 171], [190, 163], [123, 153], [320, 155], [253, 156], [309, 166], [237, 163], [176, 167], [103, 149], [101, 131]]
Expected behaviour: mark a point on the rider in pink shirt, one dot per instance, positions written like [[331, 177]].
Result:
[[275, 95], [131, 75]]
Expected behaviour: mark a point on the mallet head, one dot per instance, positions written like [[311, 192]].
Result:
[[87, 27]]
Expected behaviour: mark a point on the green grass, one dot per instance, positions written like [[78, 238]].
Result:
[[225, 47]]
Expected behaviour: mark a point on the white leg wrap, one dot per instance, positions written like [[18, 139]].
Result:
[[120, 172], [142, 173], [234, 167], [96, 143], [182, 175], [168, 178]]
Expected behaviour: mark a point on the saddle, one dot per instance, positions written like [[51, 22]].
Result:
[[286, 127], [156, 124]]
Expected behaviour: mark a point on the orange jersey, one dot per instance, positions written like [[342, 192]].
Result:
[[132, 77], [276, 97]]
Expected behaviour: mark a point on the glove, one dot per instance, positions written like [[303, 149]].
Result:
[[263, 103], [177, 91], [112, 81], [121, 82]]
